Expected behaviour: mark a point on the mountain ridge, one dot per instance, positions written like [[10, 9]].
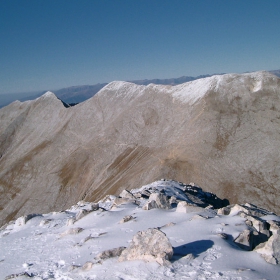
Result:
[[77, 94], [127, 135]]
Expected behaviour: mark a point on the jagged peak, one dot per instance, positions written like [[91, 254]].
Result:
[[51, 97]]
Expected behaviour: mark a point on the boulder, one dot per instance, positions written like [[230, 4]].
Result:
[[224, 211], [70, 222], [122, 200], [149, 205], [24, 219], [185, 207], [126, 194], [249, 239], [157, 200], [270, 250], [259, 224], [173, 200], [149, 245], [244, 241]]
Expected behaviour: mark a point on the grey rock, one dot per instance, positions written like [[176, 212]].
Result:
[[71, 231], [168, 225], [224, 211], [87, 266], [126, 219], [259, 225], [24, 219], [18, 275], [127, 194], [244, 241], [157, 200], [250, 239], [122, 200], [270, 250], [94, 206], [111, 253], [199, 217], [248, 209], [149, 205], [149, 245], [185, 207]]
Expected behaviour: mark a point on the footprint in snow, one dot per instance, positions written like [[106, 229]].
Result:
[[213, 254]]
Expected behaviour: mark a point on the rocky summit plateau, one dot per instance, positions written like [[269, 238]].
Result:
[[221, 132], [163, 230]]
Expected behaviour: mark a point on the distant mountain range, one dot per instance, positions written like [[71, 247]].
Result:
[[77, 94]]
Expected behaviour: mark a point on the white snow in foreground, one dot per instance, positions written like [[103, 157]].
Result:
[[45, 249]]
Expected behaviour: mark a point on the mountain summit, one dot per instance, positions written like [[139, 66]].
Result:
[[163, 230], [221, 132]]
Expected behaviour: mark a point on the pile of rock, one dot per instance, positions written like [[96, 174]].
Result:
[[262, 235], [165, 194]]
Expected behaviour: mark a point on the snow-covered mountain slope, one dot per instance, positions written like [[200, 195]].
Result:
[[80, 243], [220, 132]]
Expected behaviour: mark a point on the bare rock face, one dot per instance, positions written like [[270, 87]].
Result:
[[149, 245], [128, 135]]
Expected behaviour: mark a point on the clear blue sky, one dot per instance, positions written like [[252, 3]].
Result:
[[50, 44]]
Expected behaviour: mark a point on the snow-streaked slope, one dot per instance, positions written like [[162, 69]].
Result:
[[43, 248], [221, 132]]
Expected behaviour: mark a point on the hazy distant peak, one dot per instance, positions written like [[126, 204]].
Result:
[[48, 94]]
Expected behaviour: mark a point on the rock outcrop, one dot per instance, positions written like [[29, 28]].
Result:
[[270, 250], [184, 207], [221, 132], [157, 200], [149, 245]]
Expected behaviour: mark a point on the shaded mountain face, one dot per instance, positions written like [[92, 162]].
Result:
[[221, 132]]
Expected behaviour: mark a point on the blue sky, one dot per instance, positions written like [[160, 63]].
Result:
[[58, 43]]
